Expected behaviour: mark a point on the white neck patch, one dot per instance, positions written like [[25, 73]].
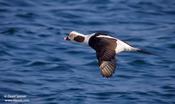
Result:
[[87, 37]]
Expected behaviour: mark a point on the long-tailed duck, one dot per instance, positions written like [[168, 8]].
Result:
[[106, 48]]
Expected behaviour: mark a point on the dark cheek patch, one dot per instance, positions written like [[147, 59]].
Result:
[[79, 39]]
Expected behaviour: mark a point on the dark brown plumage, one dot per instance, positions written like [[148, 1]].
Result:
[[105, 53], [79, 38]]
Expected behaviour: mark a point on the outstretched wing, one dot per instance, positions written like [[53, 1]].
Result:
[[105, 51], [106, 61]]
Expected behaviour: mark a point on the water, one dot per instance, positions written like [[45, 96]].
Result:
[[36, 62]]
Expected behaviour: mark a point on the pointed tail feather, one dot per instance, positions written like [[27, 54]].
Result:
[[142, 51], [124, 46]]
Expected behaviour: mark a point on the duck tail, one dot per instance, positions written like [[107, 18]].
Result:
[[143, 51]]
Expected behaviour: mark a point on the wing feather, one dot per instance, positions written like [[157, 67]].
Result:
[[105, 52], [107, 63]]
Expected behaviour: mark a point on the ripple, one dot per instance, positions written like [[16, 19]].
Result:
[[10, 31], [2, 3], [3, 10], [37, 63], [172, 46], [139, 62], [8, 90], [105, 95], [92, 63], [59, 68], [26, 15], [74, 89], [127, 76], [75, 52], [13, 81], [169, 88], [3, 52]]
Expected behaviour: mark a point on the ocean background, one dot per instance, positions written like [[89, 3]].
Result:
[[37, 63]]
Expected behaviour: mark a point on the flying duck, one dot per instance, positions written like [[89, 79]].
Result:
[[106, 48]]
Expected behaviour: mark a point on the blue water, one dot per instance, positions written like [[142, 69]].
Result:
[[36, 62]]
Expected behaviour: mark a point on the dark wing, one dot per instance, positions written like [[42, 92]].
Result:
[[106, 61], [105, 52]]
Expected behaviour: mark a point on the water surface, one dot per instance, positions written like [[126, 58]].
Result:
[[35, 60]]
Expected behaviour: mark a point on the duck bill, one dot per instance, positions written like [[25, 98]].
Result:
[[66, 38]]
